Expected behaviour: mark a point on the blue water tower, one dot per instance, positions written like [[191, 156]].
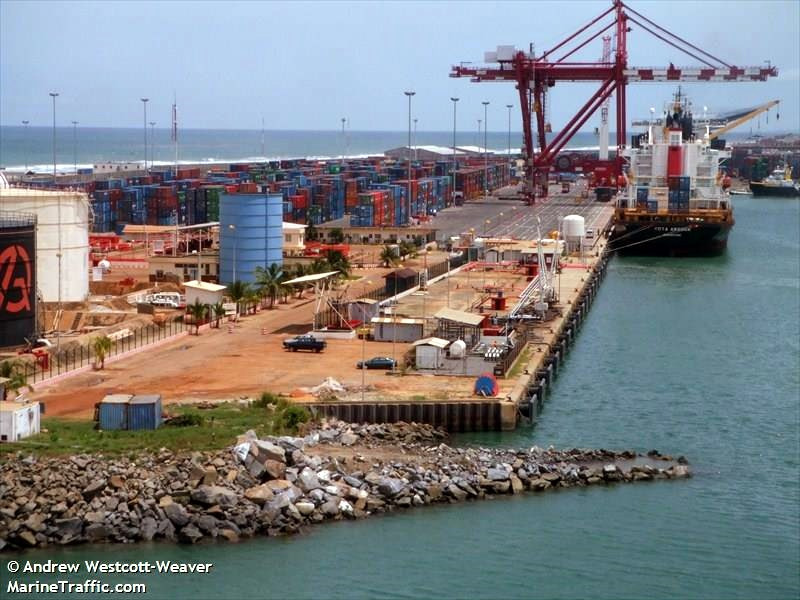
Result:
[[250, 234]]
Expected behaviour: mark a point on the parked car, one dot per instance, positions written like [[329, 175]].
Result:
[[305, 342], [377, 362]]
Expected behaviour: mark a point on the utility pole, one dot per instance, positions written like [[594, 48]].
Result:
[[453, 195], [75, 147], [144, 104], [485, 150], [409, 94]]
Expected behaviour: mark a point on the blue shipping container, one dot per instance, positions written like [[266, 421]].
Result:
[[144, 412], [113, 412]]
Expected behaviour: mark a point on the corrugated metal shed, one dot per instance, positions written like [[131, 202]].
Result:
[[144, 412], [113, 411], [459, 316]]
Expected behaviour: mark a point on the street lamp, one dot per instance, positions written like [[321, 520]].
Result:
[[485, 150], [232, 229], [144, 104], [54, 95], [478, 141], [363, 350], [152, 142], [454, 149], [415, 140], [409, 94], [75, 146], [344, 142], [509, 107], [25, 123], [199, 265]]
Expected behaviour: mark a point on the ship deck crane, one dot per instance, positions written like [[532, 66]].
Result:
[[535, 74]]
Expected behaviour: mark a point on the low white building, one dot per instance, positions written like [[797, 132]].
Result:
[[430, 353], [204, 292], [18, 421], [397, 329], [294, 239]]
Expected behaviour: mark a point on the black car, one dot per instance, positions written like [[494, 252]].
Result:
[[377, 362], [305, 342]]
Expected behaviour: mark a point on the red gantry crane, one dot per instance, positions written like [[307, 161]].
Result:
[[534, 75]]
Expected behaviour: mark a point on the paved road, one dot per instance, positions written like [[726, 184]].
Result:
[[512, 218]]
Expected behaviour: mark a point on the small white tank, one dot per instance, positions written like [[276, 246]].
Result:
[[458, 349], [574, 227]]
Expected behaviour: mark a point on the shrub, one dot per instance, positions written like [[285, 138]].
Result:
[[267, 399], [187, 420], [293, 415]]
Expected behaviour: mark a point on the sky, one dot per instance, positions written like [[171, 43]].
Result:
[[305, 65]]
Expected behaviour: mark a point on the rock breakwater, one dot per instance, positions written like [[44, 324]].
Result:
[[278, 485]]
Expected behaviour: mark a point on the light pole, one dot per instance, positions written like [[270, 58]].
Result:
[[344, 143], [152, 142], [478, 141], [54, 95], [509, 107], [25, 123], [409, 94], [232, 229], [415, 140], [394, 321], [363, 352], [485, 150], [144, 104], [453, 195], [199, 266], [75, 146]]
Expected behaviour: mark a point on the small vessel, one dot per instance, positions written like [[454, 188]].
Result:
[[779, 183], [675, 201]]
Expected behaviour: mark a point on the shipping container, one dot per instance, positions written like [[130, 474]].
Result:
[[112, 412], [144, 412]]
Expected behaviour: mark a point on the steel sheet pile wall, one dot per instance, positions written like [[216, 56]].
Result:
[[17, 278], [251, 234]]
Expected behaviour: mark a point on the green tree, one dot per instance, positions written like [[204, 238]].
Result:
[[198, 310], [312, 233], [300, 270], [237, 291], [269, 282], [336, 235], [388, 257], [101, 346], [338, 262], [14, 371], [219, 311]]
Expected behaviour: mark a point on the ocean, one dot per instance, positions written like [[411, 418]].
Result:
[[699, 357], [32, 148]]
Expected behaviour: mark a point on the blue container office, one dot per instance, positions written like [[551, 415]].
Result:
[[144, 412], [113, 412], [251, 234]]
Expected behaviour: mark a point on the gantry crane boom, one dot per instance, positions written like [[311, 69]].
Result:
[[534, 74], [743, 119]]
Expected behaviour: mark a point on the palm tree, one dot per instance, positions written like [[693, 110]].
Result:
[[338, 262], [198, 310], [219, 311], [300, 270], [269, 282], [101, 346], [14, 371], [237, 291], [388, 257]]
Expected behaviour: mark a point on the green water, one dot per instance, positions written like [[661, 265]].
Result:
[[698, 357]]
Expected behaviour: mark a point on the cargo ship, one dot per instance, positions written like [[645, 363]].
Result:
[[779, 183], [675, 201]]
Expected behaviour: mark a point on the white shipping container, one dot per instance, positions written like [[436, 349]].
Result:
[[18, 421]]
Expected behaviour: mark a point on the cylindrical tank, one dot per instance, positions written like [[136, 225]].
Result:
[[458, 349], [17, 278], [574, 227], [70, 210], [251, 234]]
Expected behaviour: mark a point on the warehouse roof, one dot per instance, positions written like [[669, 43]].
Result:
[[398, 320], [459, 316], [205, 286], [432, 341]]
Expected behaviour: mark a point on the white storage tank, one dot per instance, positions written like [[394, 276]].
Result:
[[71, 210], [574, 227], [458, 349]]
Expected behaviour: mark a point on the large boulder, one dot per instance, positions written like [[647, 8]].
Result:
[[263, 451], [391, 487], [209, 495], [177, 514], [259, 494], [307, 480]]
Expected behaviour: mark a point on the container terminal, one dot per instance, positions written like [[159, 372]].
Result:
[[466, 276]]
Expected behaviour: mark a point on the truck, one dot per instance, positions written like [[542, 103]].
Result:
[[304, 342]]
